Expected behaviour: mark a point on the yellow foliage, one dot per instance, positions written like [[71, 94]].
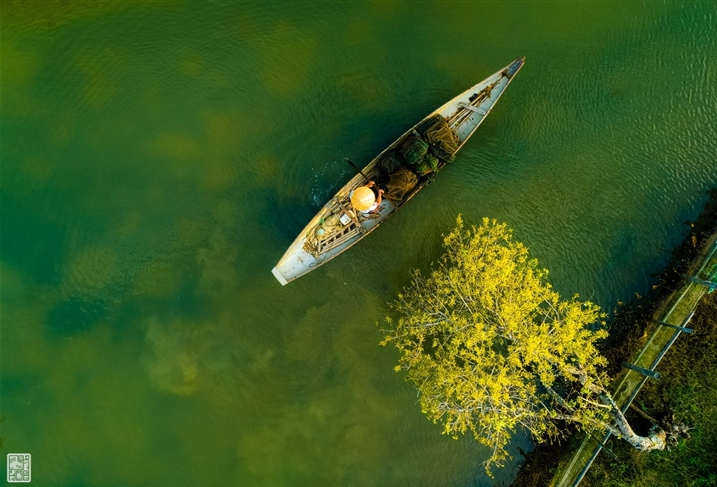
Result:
[[485, 338]]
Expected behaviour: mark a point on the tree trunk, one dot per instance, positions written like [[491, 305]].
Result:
[[656, 439]]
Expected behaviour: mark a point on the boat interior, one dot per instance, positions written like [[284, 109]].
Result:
[[457, 126], [355, 222]]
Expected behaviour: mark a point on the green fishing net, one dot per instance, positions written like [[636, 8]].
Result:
[[428, 165], [414, 149]]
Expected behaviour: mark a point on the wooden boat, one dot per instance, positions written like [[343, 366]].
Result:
[[463, 114]]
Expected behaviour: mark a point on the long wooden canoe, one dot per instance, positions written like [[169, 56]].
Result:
[[463, 114]]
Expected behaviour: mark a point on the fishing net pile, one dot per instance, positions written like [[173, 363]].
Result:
[[428, 165], [400, 183], [419, 156], [391, 163], [414, 149], [443, 141]]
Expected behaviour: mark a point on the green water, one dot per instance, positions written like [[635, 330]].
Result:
[[158, 158]]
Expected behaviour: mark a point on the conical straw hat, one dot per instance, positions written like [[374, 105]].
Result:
[[363, 198]]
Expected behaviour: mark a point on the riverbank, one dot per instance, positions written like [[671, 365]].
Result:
[[629, 330], [687, 389]]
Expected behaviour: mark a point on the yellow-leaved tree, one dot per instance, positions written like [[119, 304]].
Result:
[[492, 347]]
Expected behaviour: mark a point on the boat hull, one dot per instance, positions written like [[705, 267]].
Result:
[[464, 117]]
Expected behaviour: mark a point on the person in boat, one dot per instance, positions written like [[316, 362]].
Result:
[[366, 199]]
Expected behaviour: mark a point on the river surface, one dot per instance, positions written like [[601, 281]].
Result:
[[159, 157]]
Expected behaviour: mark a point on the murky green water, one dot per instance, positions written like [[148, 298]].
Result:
[[158, 158]]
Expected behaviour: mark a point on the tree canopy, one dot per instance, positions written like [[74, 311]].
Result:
[[492, 347]]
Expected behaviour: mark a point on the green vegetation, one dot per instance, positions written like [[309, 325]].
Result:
[[491, 347], [687, 389]]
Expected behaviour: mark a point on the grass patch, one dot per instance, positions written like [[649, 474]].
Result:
[[688, 388]]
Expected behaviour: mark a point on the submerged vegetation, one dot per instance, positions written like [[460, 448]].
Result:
[[491, 347]]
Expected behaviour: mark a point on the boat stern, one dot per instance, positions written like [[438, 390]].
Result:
[[279, 276]]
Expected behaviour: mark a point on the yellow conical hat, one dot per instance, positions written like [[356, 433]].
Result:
[[363, 198]]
